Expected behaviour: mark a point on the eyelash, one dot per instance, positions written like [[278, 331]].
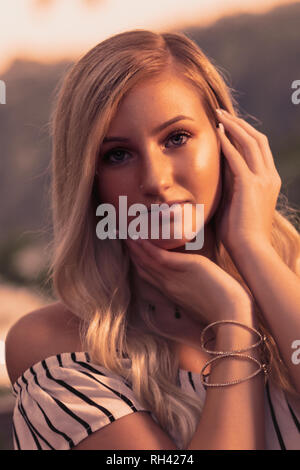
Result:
[[173, 134]]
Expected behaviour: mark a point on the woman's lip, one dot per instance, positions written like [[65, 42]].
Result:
[[169, 204], [178, 209]]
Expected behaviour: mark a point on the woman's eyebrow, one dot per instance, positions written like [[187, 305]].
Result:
[[154, 131]]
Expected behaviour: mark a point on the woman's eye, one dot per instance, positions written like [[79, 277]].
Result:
[[109, 154], [118, 153], [177, 133]]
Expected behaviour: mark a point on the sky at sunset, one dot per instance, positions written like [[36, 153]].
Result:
[[49, 30]]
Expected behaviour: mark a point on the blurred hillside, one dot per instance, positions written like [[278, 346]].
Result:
[[259, 56], [25, 218]]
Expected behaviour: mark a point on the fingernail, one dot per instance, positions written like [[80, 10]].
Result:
[[219, 111], [221, 127]]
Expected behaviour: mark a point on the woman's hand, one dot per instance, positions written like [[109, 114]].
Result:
[[251, 186], [193, 282]]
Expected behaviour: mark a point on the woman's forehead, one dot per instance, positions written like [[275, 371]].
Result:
[[154, 104]]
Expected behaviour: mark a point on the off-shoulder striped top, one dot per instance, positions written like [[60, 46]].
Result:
[[64, 398]]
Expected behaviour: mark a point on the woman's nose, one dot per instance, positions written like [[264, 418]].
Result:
[[157, 172]]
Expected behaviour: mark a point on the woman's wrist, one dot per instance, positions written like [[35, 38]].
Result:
[[231, 336], [239, 310]]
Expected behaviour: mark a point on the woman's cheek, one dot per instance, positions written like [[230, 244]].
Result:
[[206, 181]]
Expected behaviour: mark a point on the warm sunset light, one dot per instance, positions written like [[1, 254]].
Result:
[[150, 213], [50, 30]]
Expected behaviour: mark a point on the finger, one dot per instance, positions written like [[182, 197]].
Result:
[[139, 259], [236, 162], [157, 279], [261, 138], [144, 272], [251, 150], [167, 259], [141, 247], [159, 258], [142, 256]]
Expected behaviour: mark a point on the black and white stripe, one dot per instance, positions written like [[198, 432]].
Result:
[[57, 414], [65, 398]]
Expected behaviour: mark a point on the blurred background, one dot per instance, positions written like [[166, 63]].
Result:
[[255, 44]]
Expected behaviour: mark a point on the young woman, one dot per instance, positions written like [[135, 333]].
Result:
[[124, 359]]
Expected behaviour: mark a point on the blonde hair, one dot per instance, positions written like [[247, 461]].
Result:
[[92, 277]]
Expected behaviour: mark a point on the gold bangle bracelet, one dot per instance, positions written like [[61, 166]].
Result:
[[262, 367], [262, 338]]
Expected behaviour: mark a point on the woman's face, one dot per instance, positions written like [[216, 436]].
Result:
[[178, 162]]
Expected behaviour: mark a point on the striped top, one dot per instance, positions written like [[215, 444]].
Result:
[[64, 398]]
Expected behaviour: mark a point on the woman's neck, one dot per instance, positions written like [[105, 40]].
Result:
[[146, 293]]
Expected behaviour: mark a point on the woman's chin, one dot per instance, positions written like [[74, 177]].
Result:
[[179, 236], [170, 244]]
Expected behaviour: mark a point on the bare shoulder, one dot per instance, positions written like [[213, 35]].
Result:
[[54, 329], [39, 334]]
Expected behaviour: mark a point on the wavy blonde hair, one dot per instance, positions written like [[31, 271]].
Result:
[[92, 277]]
